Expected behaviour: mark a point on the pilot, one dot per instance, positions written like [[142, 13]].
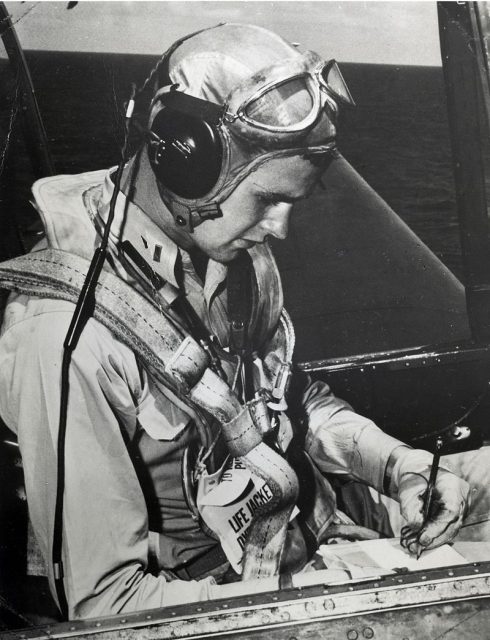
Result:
[[192, 456]]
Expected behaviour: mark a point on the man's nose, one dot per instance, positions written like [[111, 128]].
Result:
[[276, 222]]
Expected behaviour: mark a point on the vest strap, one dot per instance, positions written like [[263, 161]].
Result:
[[177, 361]]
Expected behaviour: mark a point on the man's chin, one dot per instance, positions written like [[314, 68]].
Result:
[[227, 255]]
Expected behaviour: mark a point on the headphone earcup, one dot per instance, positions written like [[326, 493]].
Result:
[[191, 167]]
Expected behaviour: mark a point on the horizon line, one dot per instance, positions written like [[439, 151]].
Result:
[[4, 56]]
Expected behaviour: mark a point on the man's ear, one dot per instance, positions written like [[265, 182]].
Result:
[[185, 148]]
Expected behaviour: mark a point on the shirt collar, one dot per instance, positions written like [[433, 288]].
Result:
[[131, 223], [160, 252]]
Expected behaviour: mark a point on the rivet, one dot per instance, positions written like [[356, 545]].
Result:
[[148, 617], [352, 634], [329, 604], [199, 609], [299, 595], [97, 624], [423, 578], [274, 597], [311, 607], [367, 632], [123, 621], [73, 628], [450, 573], [180, 220]]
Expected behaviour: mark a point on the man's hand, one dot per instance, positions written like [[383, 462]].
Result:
[[409, 480]]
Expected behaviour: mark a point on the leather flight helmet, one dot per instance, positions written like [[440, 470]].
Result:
[[230, 98]]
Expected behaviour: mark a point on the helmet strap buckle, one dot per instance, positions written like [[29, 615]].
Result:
[[189, 219]]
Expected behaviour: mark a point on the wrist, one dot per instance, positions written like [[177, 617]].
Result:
[[410, 461], [395, 456], [371, 451]]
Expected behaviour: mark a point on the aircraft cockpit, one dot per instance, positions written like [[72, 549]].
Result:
[[386, 276]]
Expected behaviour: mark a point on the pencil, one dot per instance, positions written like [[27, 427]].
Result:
[[430, 485]]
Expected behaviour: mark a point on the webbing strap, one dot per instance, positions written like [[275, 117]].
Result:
[[177, 361], [267, 533], [133, 320]]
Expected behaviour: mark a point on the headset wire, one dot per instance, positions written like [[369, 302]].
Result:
[[83, 312]]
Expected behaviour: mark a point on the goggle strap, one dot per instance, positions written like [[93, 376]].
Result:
[[192, 106], [345, 99]]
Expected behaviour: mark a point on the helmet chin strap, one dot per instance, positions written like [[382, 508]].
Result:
[[189, 219]]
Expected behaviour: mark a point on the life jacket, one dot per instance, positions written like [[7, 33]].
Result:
[[180, 363]]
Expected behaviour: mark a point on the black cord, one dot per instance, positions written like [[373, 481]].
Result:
[[83, 312], [60, 486]]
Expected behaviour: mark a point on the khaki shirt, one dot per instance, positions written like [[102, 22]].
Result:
[[125, 433]]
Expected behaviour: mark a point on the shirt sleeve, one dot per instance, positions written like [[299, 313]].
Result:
[[105, 534], [342, 441]]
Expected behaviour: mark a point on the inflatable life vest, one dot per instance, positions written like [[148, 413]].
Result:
[[179, 362]]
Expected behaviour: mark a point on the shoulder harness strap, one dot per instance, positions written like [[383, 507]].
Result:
[[177, 361]]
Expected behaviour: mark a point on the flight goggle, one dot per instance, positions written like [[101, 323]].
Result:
[[276, 105], [287, 98]]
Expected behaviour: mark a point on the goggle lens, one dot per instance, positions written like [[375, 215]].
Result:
[[333, 81], [283, 105]]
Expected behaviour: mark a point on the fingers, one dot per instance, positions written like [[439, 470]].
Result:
[[409, 541], [443, 528], [411, 506], [445, 516], [435, 533], [405, 531]]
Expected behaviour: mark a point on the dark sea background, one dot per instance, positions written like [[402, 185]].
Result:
[[396, 137]]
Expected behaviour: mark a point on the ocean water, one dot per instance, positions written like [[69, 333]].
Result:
[[396, 137]]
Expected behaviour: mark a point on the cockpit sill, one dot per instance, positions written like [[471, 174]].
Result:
[[351, 609], [395, 359]]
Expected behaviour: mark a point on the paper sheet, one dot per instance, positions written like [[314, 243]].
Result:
[[387, 554]]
